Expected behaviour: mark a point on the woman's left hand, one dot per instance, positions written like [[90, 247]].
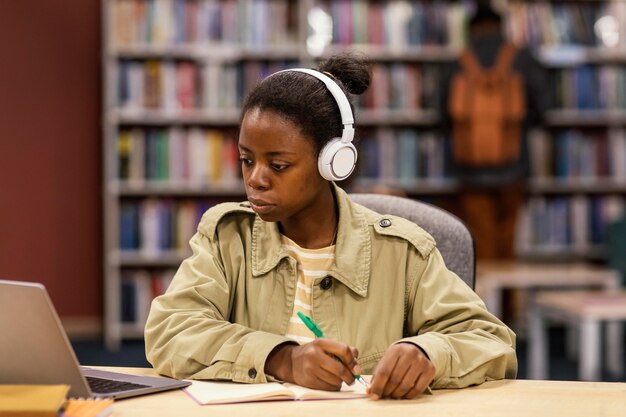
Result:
[[404, 372]]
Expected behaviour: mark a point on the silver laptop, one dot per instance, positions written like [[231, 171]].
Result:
[[34, 349]]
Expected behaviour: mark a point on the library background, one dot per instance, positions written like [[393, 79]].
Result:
[[125, 115]]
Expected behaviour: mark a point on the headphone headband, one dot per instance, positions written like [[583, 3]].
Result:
[[337, 158], [347, 119]]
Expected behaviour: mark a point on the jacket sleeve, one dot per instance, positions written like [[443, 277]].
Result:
[[188, 335], [467, 344]]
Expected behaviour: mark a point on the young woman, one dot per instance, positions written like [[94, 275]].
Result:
[[376, 285]]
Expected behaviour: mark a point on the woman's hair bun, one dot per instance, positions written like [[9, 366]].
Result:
[[351, 69]]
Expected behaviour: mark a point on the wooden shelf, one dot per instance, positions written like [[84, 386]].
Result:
[[131, 259], [397, 117], [577, 186], [562, 253], [214, 52], [217, 117], [230, 117], [388, 53], [586, 118], [169, 188], [574, 55], [413, 187]]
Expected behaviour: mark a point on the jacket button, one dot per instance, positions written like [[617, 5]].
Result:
[[385, 223], [252, 373], [326, 283]]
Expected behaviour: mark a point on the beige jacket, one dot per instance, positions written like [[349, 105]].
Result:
[[230, 302]]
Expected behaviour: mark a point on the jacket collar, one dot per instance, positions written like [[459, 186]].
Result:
[[353, 247]]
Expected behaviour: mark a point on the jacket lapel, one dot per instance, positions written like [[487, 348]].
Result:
[[352, 253]]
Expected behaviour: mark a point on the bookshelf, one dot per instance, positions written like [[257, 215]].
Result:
[[175, 72], [175, 75], [578, 163]]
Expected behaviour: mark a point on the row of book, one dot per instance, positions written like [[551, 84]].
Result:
[[578, 154], [156, 226], [139, 288], [258, 23], [167, 85], [176, 86], [173, 87], [253, 23], [562, 223], [401, 86], [402, 155], [153, 226], [396, 23], [565, 23], [176, 155], [590, 87], [393, 23], [197, 157]]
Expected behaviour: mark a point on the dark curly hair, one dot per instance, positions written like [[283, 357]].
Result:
[[305, 100]]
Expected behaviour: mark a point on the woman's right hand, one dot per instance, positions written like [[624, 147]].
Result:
[[315, 364]]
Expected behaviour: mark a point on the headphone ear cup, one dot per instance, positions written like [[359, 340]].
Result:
[[337, 160]]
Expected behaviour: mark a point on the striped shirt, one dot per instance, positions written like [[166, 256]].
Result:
[[311, 264]]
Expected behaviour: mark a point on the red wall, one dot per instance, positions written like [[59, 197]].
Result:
[[50, 157]]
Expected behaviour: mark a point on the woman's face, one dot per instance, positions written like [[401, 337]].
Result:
[[279, 167]]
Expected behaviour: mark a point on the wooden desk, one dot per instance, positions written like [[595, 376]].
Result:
[[493, 277], [496, 398], [587, 310]]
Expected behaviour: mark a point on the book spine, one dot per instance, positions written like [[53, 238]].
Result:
[[578, 155], [154, 226], [402, 156], [174, 22], [178, 156], [555, 24], [397, 24], [138, 288], [562, 225]]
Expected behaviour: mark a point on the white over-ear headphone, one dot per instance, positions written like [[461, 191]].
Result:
[[337, 159]]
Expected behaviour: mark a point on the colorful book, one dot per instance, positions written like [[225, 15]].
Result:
[[32, 400], [88, 407]]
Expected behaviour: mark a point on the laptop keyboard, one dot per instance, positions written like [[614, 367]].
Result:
[[106, 386]]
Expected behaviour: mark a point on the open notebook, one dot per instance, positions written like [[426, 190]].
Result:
[[211, 392]]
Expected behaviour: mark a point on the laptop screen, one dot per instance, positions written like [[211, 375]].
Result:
[[34, 349]]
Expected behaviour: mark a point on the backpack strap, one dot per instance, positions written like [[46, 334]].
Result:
[[503, 62], [505, 58], [471, 64]]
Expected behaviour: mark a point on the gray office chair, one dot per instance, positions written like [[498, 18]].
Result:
[[454, 240]]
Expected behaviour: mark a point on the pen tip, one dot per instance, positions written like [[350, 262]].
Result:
[[362, 381]]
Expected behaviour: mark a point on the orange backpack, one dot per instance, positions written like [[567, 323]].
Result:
[[487, 108]]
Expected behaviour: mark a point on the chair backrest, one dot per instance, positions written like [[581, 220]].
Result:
[[454, 239]]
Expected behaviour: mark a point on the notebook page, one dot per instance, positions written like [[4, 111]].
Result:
[[355, 390], [217, 392]]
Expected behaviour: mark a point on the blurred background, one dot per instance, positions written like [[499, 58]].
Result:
[[118, 129]]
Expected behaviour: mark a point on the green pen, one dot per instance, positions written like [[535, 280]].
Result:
[[312, 326]]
